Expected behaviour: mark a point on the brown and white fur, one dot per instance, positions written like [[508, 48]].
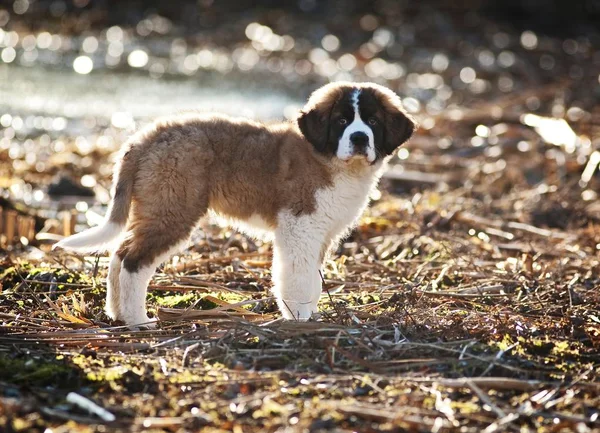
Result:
[[302, 184]]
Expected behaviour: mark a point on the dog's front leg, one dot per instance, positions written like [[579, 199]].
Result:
[[297, 256]]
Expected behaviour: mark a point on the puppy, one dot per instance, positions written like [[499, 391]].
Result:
[[302, 184]]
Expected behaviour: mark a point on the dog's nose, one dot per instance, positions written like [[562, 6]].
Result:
[[360, 140]]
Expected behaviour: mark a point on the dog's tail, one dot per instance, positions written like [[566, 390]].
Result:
[[100, 238]]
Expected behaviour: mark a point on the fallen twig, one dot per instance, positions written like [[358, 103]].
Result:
[[90, 406]]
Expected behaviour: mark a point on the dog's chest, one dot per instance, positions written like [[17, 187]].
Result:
[[339, 205]]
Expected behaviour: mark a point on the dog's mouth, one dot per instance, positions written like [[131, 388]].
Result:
[[359, 157], [357, 161]]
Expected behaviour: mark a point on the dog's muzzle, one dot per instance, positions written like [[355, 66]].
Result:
[[360, 142]]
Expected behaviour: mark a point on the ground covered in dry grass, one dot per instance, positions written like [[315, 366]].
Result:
[[434, 318]]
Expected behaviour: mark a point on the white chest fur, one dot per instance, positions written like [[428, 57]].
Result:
[[340, 205], [337, 209]]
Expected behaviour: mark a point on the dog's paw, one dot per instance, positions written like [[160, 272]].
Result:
[[147, 324], [299, 311], [138, 324]]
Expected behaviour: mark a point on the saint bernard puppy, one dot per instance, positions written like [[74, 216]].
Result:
[[301, 184]]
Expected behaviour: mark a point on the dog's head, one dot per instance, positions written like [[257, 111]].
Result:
[[355, 121]]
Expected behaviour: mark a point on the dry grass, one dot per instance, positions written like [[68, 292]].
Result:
[[433, 319]]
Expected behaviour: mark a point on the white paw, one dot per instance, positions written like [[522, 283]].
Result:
[[301, 311], [110, 312], [143, 323]]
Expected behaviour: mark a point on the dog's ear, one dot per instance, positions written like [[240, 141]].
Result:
[[314, 125], [399, 127], [313, 120]]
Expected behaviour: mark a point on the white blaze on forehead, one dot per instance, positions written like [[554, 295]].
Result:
[[355, 96], [345, 147]]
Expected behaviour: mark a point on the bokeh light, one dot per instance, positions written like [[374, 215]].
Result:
[[83, 65]]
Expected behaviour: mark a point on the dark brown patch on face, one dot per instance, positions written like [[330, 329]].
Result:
[[315, 118]]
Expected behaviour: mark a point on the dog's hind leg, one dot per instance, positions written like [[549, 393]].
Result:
[[112, 286], [140, 255], [168, 197], [155, 233]]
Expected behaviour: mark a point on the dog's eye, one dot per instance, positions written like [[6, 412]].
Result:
[[372, 121], [343, 121]]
